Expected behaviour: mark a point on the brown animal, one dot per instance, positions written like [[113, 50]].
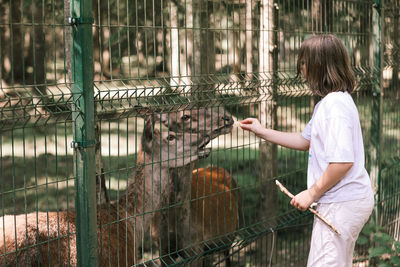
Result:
[[213, 122], [214, 210], [48, 239], [215, 201]]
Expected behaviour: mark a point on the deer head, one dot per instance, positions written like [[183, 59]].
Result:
[[170, 148], [211, 121]]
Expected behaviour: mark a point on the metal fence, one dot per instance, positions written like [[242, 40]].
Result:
[[118, 144]]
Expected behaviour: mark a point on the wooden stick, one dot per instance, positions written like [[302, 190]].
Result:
[[285, 191]]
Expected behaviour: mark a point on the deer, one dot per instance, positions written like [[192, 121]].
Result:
[[213, 123], [215, 209], [48, 238]]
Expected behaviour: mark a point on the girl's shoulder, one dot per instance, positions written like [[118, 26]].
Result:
[[337, 104], [337, 99]]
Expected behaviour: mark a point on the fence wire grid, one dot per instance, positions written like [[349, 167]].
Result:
[[119, 144]]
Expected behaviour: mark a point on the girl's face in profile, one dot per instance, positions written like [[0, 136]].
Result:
[[303, 68]]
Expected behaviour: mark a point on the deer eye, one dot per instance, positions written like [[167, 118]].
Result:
[[186, 117], [171, 137]]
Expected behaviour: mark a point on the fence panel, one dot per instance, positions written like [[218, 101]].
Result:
[[37, 179], [158, 171]]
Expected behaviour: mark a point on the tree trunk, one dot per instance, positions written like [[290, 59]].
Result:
[[16, 44], [67, 44], [3, 73], [175, 47], [250, 6], [268, 116], [101, 189], [38, 50], [395, 54], [203, 55], [187, 238]]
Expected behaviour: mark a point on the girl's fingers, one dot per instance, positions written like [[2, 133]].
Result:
[[294, 203], [247, 121], [245, 126]]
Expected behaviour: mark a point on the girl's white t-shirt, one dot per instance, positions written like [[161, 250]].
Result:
[[334, 132]]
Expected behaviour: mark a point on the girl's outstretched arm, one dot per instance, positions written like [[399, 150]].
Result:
[[289, 140]]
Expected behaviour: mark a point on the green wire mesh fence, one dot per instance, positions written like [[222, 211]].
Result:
[[118, 144]]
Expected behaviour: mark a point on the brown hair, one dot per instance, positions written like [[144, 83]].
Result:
[[327, 65]]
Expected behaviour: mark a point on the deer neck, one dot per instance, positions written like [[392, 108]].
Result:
[[146, 189], [185, 171], [181, 178]]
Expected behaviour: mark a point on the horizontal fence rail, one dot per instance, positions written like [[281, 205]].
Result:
[[120, 143]]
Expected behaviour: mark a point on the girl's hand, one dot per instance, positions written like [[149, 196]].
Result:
[[252, 125], [302, 200]]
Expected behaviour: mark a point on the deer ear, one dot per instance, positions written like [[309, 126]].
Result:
[[143, 111], [148, 132], [148, 125], [151, 126]]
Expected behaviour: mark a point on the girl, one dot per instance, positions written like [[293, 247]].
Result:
[[336, 177]]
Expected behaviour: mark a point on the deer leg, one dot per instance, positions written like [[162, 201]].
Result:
[[167, 240]]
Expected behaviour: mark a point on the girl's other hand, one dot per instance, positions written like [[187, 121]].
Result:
[[251, 124], [302, 200]]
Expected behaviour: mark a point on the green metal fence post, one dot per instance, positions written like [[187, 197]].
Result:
[[84, 132], [377, 90]]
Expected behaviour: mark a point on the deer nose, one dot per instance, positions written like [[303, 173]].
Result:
[[227, 119]]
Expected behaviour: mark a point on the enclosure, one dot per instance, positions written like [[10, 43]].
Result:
[[118, 137]]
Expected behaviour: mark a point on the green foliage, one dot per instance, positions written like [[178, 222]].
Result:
[[385, 251]]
